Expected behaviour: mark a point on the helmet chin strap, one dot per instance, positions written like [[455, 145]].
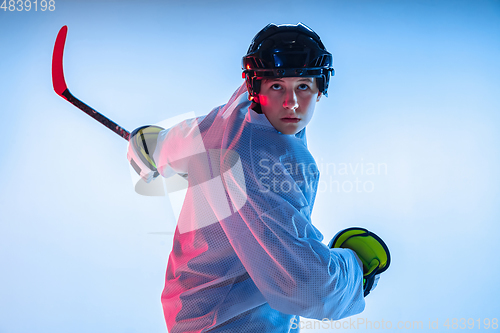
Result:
[[256, 107]]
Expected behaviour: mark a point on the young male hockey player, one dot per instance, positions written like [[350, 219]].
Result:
[[246, 256]]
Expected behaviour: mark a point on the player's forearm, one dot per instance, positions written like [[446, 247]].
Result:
[[177, 145], [308, 279]]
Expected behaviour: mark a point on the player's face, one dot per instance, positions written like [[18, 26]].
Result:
[[289, 102]]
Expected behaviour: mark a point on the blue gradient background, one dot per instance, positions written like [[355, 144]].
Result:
[[416, 89]]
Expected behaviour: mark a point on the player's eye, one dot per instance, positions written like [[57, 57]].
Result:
[[276, 86], [303, 86]]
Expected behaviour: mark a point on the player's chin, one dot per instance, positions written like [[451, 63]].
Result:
[[291, 129]]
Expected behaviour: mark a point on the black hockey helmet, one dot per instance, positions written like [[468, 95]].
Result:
[[286, 50]]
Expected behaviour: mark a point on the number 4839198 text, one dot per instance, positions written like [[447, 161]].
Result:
[[27, 5]]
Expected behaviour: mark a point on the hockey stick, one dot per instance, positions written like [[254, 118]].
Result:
[[61, 88]]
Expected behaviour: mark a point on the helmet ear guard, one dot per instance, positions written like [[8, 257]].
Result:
[[370, 249], [253, 86]]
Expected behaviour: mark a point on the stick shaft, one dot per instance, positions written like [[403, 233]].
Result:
[[62, 90]]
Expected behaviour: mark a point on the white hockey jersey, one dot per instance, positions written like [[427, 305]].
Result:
[[245, 256]]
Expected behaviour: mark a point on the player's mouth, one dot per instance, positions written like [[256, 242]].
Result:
[[290, 119]]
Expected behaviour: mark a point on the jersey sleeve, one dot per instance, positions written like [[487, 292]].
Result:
[[176, 145], [279, 247]]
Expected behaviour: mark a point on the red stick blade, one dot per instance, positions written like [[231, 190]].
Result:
[[57, 63]]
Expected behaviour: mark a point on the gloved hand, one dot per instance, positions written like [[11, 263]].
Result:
[[142, 144], [375, 282], [369, 248]]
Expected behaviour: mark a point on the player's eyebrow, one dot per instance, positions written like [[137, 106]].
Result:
[[274, 79]]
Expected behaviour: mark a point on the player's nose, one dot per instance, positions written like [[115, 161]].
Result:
[[290, 101]]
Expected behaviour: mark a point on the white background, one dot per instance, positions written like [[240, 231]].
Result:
[[416, 91]]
